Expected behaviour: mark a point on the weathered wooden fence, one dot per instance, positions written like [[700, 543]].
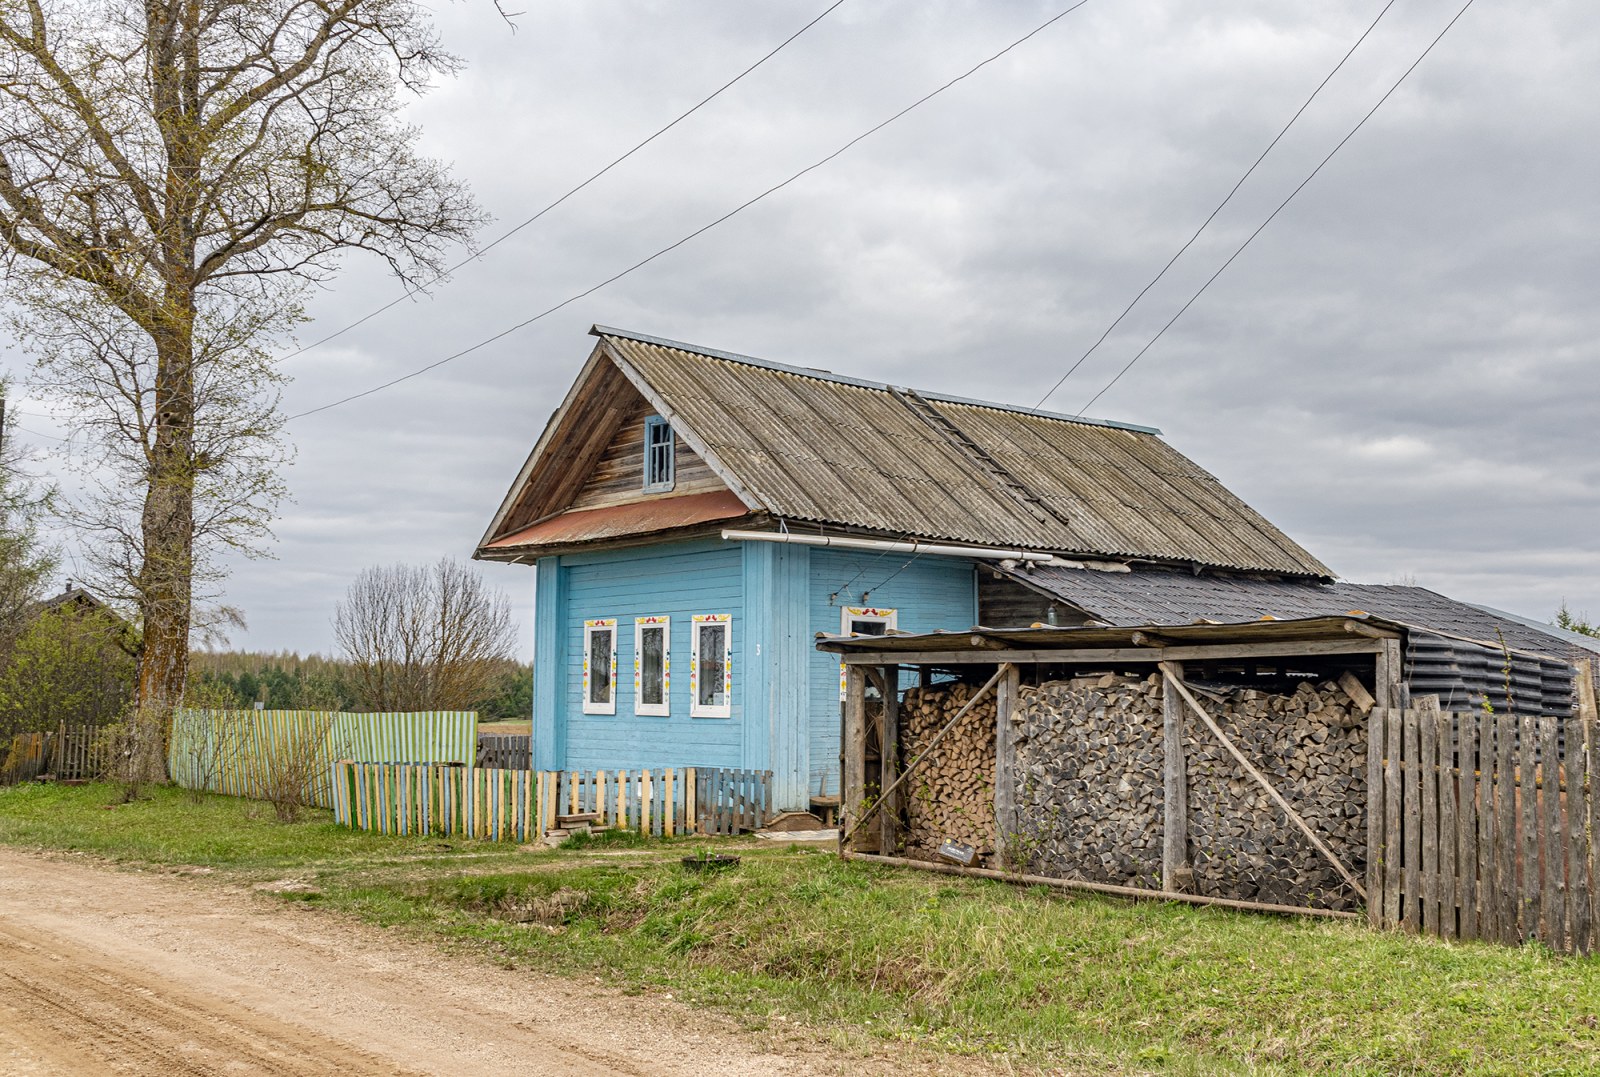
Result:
[[505, 751], [67, 753], [523, 805], [235, 752], [1485, 826]]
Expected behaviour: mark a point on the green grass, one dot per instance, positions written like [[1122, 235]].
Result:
[[967, 966]]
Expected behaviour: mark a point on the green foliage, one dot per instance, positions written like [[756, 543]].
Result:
[[69, 665], [863, 954], [1578, 622], [513, 699], [283, 681]]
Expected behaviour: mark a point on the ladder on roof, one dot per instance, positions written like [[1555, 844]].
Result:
[[924, 409]]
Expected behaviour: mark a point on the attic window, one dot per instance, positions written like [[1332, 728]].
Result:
[[657, 454]]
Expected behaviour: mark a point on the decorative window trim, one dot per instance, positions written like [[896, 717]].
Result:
[[706, 710], [640, 626], [602, 624], [889, 618], [665, 482]]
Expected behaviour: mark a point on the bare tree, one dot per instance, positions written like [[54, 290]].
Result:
[[173, 175], [433, 638]]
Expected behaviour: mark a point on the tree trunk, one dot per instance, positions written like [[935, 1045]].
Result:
[[166, 575]]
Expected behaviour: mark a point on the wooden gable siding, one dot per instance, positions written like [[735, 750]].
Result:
[[1004, 603], [617, 477]]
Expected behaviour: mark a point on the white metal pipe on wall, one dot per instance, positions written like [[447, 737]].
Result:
[[985, 553]]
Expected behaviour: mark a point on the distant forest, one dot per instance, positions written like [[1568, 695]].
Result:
[[287, 681]]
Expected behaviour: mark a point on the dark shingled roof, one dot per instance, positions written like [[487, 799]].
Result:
[[1134, 599], [808, 446]]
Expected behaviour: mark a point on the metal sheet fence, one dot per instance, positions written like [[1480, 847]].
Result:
[[1484, 828], [234, 752], [522, 805]]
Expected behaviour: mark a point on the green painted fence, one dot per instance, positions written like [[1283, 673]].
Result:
[[523, 805], [233, 752]]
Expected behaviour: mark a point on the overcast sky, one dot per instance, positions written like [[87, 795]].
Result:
[[1399, 372]]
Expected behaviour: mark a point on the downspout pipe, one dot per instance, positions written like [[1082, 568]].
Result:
[[927, 549]]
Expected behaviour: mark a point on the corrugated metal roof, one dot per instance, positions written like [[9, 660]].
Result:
[[811, 446], [1153, 597]]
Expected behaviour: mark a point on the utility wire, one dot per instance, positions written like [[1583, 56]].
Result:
[[1415, 64], [698, 231], [1220, 206], [475, 255]]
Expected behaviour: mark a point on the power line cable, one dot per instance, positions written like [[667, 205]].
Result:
[[698, 231], [1241, 248], [1220, 206], [475, 255]]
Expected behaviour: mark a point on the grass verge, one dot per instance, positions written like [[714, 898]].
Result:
[[969, 966]]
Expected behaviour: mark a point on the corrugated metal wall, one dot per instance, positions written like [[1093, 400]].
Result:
[[1465, 675]]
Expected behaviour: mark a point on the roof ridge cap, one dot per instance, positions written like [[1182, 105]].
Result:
[[860, 383]]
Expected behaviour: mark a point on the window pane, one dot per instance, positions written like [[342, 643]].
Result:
[[713, 661], [651, 665], [599, 666]]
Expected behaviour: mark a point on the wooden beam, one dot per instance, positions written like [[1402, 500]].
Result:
[[1100, 888], [1075, 655], [1174, 677], [1176, 873], [889, 751], [853, 746], [1583, 688], [1388, 674], [1006, 820]]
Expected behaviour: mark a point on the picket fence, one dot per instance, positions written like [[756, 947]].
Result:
[[1485, 826], [67, 753], [522, 805], [232, 752]]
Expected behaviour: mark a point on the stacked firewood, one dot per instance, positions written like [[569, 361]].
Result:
[[951, 795], [1089, 780], [1090, 795], [1312, 746]]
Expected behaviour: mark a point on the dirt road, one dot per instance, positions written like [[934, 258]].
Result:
[[107, 971]]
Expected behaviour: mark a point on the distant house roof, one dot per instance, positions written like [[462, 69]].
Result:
[[809, 447], [1135, 599]]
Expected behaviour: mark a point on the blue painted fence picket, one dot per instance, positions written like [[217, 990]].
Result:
[[522, 805]]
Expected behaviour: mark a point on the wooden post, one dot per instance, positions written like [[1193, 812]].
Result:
[[889, 766], [1177, 875], [1006, 821], [1388, 674], [853, 747], [1376, 809]]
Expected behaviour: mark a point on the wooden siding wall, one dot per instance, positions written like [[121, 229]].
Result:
[[929, 593], [1004, 603], [675, 579], [618, 477]]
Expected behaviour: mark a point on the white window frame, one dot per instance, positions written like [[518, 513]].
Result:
[[889, 618], [599, 624], [641, 625], [725, 708]]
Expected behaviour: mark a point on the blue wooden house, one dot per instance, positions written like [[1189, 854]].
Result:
[[696, 518]]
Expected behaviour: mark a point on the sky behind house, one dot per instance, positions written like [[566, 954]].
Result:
[[1397, 372]]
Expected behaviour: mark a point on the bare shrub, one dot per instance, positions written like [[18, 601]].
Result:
[[290, 769], [424, 638]]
